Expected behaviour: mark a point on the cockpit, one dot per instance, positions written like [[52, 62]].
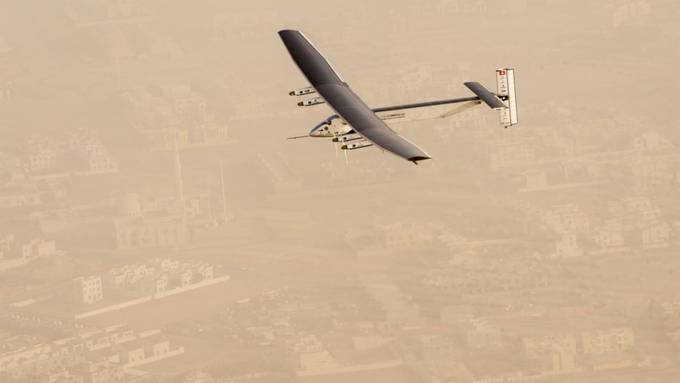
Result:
[[330, 127]]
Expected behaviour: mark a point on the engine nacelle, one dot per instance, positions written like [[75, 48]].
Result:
[[347, 137], [312, 101], [359, 144], [302, 91]]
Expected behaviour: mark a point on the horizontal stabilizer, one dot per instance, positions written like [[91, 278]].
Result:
[[489, 98]]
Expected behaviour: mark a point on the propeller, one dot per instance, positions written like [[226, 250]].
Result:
[[335, 145]]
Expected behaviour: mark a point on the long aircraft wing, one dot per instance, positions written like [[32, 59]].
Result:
[[343, 100]]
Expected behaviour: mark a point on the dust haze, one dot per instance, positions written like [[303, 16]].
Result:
[[157, 226]]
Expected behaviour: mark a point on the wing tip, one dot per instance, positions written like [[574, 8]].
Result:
[[284, 32], [415, 159]]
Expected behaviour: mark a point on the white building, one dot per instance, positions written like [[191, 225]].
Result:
[[610, 235], [91, 289], [568, 247], [37, 248], [608, 341]]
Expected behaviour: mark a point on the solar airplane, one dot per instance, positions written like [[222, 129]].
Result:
[[356, 126]]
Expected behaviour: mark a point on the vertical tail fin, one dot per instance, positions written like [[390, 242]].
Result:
[[505, 81]]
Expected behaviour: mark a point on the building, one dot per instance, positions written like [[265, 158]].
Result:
[[554, 353], [99, 159], [653, 171], [398, 309], [656, 235], [536, 179], [90, 288], [629, 12], [158, 276], [150, 231], [610, 235], [42, 156], [568, 247], [95, 356], [37, 248], [177, 116], [6, 245], [369, 342], [567, 218], [23, 196], [161, 222], [312, 355], [81, 154], [102, 371], [608, 341], [483, 334]]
